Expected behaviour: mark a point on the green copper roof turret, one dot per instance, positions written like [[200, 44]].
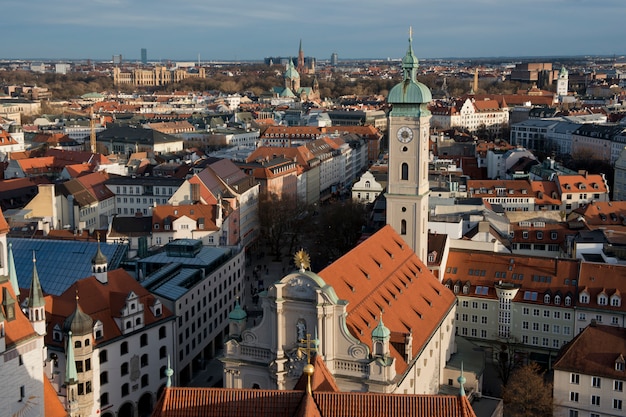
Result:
[[35, 298], [410, 91]]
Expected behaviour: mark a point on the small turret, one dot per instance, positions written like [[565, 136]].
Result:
[[461, 379], [36, 302], [237, 321], [71, 377], [99, 264], [380, 339], [13, 273]]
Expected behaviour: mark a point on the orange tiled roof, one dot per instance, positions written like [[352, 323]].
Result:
[[101, 302], [546, 193], [604, 213], [534, 274], [52, 403], [218, 402], [19, 329], [578, 183], [383, 274], [596, 278], [194, 211], [481, 188]]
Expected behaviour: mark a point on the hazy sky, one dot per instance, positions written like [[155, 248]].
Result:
[[253, 29]]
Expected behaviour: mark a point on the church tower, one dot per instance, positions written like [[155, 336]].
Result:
[[409, 125]]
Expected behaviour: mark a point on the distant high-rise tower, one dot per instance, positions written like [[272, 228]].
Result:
[[117, 59], [144, 56], [334, 59], [562, 83]]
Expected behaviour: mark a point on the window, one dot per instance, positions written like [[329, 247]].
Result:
[[162, 352], [144, 340], [124, 369], [144, 360], [104, 378], [617, 404], [125, 390], [596, 382], [124, 348], [574, 379], [404, 175], [618, 386], [103, 356], [595, 400], [573, 397], [144, 381], [104, 399], [162, 332]]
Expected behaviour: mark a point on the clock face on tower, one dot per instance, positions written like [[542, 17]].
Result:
[[404, 134]]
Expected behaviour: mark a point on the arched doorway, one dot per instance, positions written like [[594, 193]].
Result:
[[126, 410], [145, 405]]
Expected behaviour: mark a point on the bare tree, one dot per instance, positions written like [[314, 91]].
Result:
[[528, 394]]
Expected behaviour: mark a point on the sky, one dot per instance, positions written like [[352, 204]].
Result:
[[209, 30]]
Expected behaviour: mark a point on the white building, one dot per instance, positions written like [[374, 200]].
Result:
[[366, 189]]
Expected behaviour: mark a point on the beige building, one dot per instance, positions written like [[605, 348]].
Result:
[[157, 76], [589, 376]]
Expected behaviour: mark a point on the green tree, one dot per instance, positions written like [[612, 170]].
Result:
[[340, 227], [528, 394]]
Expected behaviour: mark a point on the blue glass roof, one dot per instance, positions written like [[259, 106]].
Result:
[[60, 263]]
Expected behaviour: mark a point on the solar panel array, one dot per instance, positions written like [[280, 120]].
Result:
[[60, 263]]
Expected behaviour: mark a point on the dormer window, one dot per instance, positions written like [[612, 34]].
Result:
[[546, 299], [568, 301], [602, 299], [539, 235], [557, 299], [616, 300], [619, 363], [584, 298]]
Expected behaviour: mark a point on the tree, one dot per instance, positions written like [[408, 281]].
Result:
[[506, 360], [340, 227], [282, 221], [528, 394]]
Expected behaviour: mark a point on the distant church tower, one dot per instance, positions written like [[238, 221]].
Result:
[[409, 125], [301, 68], [562, 83]]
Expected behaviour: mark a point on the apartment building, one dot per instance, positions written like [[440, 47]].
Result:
[[200, 285], [589, 375]]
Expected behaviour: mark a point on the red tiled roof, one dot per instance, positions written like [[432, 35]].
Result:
[[594, 352], [596, 278], [52, 403], [19, 329], [534, 274], [219, 402], [383, 274], [193, 211], [101, 302]]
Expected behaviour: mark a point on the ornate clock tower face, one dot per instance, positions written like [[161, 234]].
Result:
[[404, 134]]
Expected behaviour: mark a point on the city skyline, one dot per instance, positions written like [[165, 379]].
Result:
[[241, 30]]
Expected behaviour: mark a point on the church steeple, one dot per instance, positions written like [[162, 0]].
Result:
[[36, 302], [409, 130]]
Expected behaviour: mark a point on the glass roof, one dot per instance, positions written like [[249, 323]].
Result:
[[60, 263]]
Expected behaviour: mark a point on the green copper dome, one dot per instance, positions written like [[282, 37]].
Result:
[[381, 332], [238, 313], [409, 91]]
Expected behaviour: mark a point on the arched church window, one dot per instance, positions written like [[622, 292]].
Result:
[[405, 172], [403, 227]]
